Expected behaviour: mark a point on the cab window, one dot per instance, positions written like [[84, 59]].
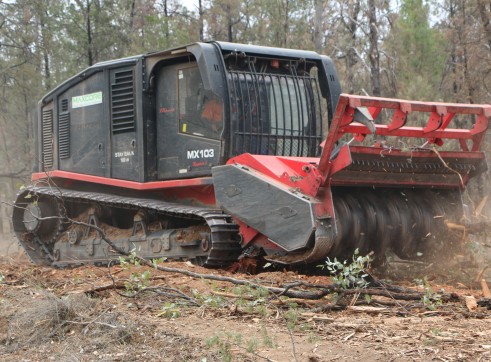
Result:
[[200, 110]]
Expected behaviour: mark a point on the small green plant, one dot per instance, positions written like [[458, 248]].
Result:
[[123, 262], [266, 338], [262, 310], [137, 280], [430, 299], [2, 278], [213, 301], [291, 318], [209, 300], [252, 345], [156, 262], [131, 259], [250, 291], [253, 299], [140, 280], [313, 337], [170, 310], [224, 343], [347, 275], [223, 347]]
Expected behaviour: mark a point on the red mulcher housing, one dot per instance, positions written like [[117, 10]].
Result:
[[215, 150], [359, 196]]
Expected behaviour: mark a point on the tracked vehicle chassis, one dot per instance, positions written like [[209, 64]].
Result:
[[154, 229]]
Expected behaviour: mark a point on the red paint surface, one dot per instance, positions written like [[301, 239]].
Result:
[[197, 191], [154, 185]]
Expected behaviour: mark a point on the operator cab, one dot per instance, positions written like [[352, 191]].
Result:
[[217, 100]]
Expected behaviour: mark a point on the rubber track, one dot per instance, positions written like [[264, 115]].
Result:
[[224, 249]]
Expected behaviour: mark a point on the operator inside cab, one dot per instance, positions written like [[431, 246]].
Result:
[[200, 110]]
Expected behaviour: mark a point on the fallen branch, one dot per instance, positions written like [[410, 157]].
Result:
[[306, 293], [303, 294], [297, 290], [89, 323], [99, 289], [161, 291], [308, 302], [485, 289], [367, 309], [475, 228]]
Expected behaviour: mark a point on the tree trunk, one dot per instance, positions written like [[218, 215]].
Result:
[[286, 25], [374, 54], [453, 52], [47, 72], [132, 14], [166, 15], [318, 33], [467, 76], [8, 160], [200, 20], [486, 22], [352, 57], [90, 55], [230, 35]]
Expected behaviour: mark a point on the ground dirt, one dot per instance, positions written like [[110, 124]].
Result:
[[126, 313]]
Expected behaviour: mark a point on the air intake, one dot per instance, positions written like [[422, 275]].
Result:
[[122, 102], [47, 137], [64, 135], [64, 105]]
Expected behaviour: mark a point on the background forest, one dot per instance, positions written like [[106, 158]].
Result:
[[437, 50]]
